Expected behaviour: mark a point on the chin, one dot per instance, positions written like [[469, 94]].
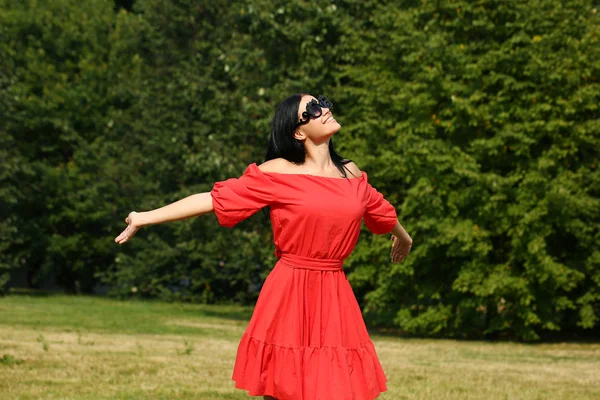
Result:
[[336, 128]]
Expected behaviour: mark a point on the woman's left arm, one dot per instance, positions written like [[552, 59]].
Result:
[[402, 243], [399, 231]]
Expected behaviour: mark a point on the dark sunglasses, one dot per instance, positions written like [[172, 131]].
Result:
[[314, 109]]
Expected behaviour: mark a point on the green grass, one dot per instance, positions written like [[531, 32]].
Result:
[[62, 347]]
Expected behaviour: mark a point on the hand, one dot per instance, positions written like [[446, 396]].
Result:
[[133, 225], [400, 249]]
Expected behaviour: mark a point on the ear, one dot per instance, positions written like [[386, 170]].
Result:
[[299, 135]]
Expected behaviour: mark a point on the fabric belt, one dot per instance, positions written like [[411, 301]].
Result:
[[319, 264]]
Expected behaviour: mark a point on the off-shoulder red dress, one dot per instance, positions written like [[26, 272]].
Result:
[[306, 339]]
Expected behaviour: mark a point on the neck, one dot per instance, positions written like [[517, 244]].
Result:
[[317, 156]]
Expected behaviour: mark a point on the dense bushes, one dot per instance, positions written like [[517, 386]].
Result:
[[478, 120]]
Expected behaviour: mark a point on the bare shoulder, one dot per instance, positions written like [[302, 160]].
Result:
[[353, 168], [280, 165]]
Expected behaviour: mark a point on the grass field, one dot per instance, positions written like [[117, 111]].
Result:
[[61, 347]]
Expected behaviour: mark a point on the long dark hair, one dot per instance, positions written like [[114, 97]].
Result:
[[282, 142]]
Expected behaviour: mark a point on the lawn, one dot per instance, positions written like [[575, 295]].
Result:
[[61, 347]]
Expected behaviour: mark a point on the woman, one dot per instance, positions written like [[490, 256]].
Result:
[[306, 338]]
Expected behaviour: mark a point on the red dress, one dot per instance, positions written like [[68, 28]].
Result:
[[306, 339]]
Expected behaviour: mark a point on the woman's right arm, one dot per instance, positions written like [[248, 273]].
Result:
[[191, 206]]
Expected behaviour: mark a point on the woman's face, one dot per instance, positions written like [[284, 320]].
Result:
[[316, 129]]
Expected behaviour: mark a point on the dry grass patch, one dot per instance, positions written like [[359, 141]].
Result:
[[443, 369], [109, 365]]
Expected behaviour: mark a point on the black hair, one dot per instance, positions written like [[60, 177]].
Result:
[[282, 142]]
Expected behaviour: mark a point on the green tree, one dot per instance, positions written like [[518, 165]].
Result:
[[478, 120], [483, 122]]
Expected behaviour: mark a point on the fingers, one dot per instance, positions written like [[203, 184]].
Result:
[[394, 245], [126, 235], [399, 255], [128, 232], [122, 238], [399, 251]]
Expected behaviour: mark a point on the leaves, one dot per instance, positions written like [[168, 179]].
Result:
[[478, 121]]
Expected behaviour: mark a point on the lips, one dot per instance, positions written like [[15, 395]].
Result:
[[329, 119]]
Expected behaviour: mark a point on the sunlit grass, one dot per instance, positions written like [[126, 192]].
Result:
[[62, 347]]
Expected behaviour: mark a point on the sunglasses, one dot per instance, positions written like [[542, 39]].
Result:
[[314, 109]]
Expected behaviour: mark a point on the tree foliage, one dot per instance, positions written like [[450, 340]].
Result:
[[478, 120]]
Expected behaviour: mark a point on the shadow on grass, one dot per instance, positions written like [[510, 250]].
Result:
[[235, 315], [582, 338], [33, 292]]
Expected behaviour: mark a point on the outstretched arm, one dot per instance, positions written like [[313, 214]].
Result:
[[191, 206]]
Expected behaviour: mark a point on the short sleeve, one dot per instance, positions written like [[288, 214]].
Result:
[[236, 199], [380, 216]]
